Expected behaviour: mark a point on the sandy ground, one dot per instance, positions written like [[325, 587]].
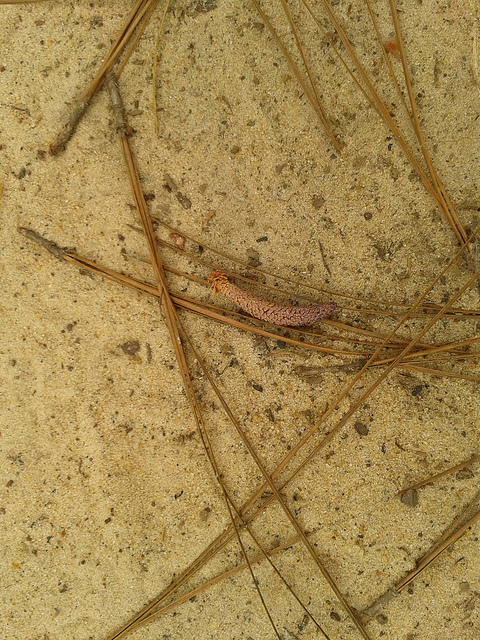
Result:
[[106, 492]]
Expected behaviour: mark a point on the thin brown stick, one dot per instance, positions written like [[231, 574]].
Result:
[[439, 373], [442, 474], [436, 551], [139, 10]]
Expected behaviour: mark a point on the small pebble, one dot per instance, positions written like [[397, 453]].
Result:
[[361, 428], [131, 347], [410, 498]]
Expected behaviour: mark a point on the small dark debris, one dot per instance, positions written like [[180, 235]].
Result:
[[200, 249], [184, 201], [410, 498], [318, 201], [281, 344], [269, 414], [107, 520], [334, 616], [417, 390], [177, 495], [262, 239], [86, 272], [464, 474], [361, 428], [205, 513], [131, 347], [368, 215], [253, 257], [96, 22], [257, 387], [169, 185], [234, 150], [149, 352], [149, 196], [178, 239], [202, 6]]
